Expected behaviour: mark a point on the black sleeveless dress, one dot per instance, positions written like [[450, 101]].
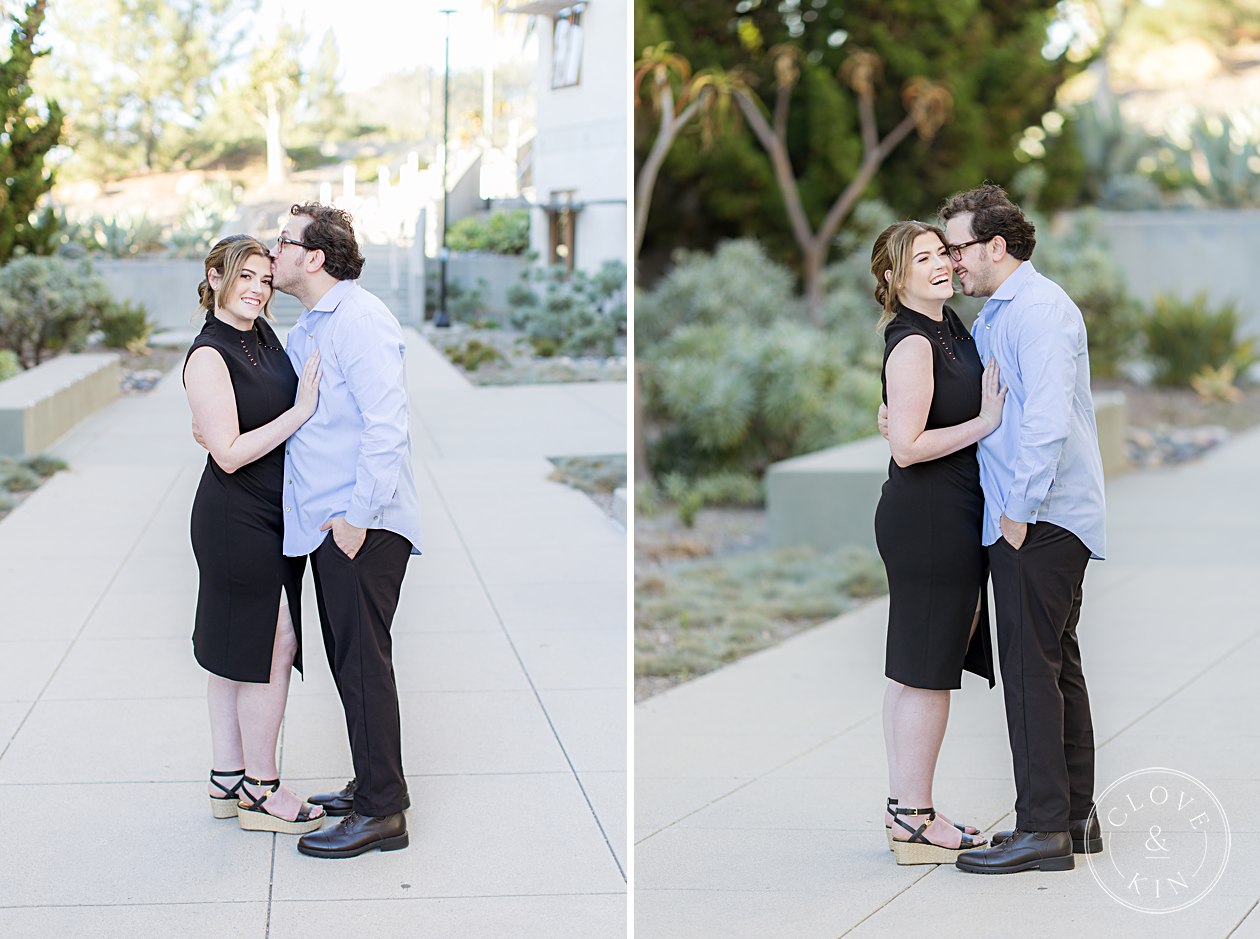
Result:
[[237, 519], [928, 526]]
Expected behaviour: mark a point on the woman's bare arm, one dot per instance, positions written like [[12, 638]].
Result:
[[213, 403], [908, 374]]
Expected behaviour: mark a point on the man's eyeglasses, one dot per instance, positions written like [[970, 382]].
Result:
[[282, 241], [955, 251]]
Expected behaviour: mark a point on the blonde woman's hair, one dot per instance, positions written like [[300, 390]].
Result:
[[228, 257], [892, 251]]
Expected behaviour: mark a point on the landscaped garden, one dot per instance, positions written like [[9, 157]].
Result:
[[771, 158]]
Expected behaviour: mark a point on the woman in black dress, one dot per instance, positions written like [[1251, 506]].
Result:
[[242, 391], [940, 402]]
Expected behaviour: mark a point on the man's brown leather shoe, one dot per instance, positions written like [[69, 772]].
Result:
[[1023, 851], [355, 835], [1085, 833], [342, 803]]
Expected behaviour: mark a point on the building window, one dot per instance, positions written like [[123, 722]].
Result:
[[566, 46], [562, 229]]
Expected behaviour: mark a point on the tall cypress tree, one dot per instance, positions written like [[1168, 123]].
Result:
[[29, 131]]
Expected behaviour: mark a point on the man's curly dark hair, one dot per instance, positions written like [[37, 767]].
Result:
[[331, 230], [993, 214]]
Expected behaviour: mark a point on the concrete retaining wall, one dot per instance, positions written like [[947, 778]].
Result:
[[1184, 252], [501, 272], [167, 287], [40, 405], [827, 499]]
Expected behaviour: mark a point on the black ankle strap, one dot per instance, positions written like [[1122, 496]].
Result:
[[256, 802], [916, 834], [233, 790]]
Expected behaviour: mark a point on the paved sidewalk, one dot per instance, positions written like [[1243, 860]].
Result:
[[759, 789], [510, 653]]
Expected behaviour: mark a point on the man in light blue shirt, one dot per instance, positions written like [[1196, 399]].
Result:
[[350, 502], [1044, 517]]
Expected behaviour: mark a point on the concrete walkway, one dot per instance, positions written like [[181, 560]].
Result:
[[759, 788], [510, 653]]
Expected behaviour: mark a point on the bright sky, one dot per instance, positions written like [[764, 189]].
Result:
[[379, 37]]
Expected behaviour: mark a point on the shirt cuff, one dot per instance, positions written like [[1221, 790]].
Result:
[[363, 518], [1021, 512]]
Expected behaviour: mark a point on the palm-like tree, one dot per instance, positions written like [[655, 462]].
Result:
[[676, 96], [928, 106]]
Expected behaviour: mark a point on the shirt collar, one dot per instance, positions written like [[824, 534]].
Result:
[[329, 302], [1006, 291], [1012, 285]]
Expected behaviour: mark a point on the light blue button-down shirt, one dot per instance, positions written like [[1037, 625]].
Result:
[[1042, 463], [353, 457]]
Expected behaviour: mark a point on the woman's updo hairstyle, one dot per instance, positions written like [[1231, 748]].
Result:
[[228, 257], [892, 251]]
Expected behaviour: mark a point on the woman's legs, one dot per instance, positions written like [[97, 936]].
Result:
[[225, 730], [918, 722], [245, 720], [892, 694], [896, 783]]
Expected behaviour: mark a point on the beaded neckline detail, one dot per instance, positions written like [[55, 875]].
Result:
[[943, 330], [241, 334]]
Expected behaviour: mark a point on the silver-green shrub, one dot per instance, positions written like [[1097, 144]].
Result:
[[571, 314], [734, 376], [739, 397], [738, 283], [46, 305]]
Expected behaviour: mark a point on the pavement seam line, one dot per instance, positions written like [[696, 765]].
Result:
[[432, 897], [582, 400], [525, 671], [87, 618], [1180, 688], [931, 869], [1250, 910], [416, 416], [841, 733], [753, 779], [271, 876], [271, 885]]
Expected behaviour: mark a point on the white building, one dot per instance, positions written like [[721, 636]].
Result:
[[580, 155]]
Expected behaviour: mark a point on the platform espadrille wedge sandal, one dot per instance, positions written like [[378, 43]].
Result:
[[224, 806], [965, 829], [917, 849], [255, 817]]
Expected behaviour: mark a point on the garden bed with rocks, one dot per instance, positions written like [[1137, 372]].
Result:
[[143, 370], [597, 476], [500, 355], [1172, 425], [20, 478]]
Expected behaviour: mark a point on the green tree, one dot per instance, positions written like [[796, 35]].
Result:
[[29, 131], [988, 54], [271, 92], [326, 103], [927, 109], [136, 76]]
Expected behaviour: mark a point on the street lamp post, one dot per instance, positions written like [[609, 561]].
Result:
[[443, 318]]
